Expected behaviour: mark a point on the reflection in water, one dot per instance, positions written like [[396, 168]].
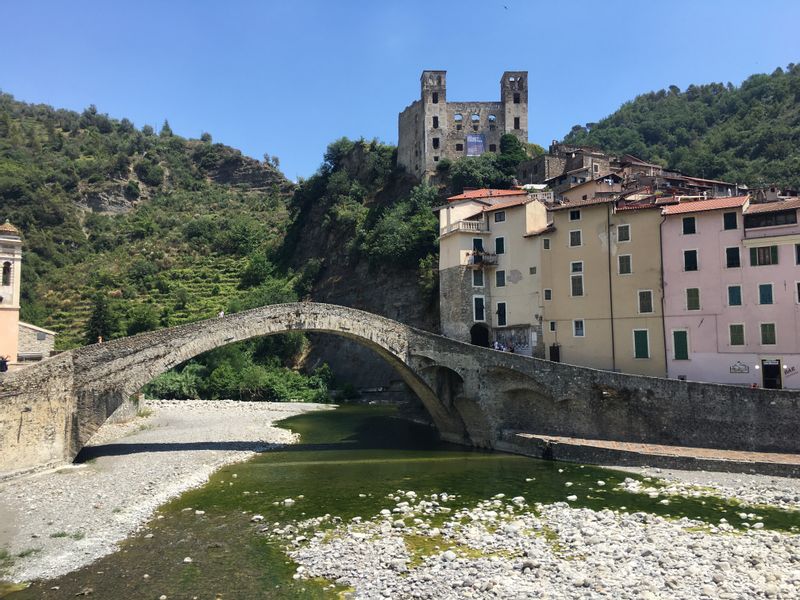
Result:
[[347, 463]]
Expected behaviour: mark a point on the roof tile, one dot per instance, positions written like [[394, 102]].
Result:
[[691, 206]]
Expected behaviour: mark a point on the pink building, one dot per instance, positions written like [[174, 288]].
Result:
[[731, 291]]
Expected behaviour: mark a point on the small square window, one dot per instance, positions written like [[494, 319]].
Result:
[[768, 334], [736, 334], [40, 336], [625, 264], [690, 260], [500, 246], [732, 260], [492, 147], [689, 226], [548, 294], [500, 278], [693, 299], [734, 295], [576, 266], [459, 147], [532, 270], [577, 328], [575, 215], [546, 244], [575, 238], [435, 159], [729, 220], [765, 293], [624, 233], [499, 216]]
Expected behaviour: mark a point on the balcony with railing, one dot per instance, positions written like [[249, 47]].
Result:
[[469, 226], [478, 260], [546, 197]]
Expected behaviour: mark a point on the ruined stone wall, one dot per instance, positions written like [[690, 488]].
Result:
[[409, 142], [455, 302]]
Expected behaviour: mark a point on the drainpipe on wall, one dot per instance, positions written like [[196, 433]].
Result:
[[663, 313], [610, 289]]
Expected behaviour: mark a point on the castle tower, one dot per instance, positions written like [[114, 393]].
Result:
[[433, 95], [514, 98], [10, 271]]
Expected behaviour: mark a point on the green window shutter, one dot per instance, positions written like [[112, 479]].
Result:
[[640, 344], [680, 345], [773, 254], [753, 257], [734, 296]]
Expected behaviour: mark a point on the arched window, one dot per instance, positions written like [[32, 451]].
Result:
[[475, 118], [492, 118], [458, 117], [6, 273]]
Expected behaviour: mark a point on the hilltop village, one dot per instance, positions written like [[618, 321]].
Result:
[[608, 262]]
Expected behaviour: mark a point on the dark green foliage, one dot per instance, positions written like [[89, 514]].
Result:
[[747, 134], [143, 317], [52, 161], [406, 231], [478, 172], [103, 322]]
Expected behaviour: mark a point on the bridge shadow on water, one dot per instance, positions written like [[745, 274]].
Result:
[[326, 430]]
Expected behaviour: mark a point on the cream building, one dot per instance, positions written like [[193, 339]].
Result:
[[489, 249], [601, 286]]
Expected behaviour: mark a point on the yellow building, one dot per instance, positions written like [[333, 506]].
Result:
[[601, 286], [489, 250], [10, 263]]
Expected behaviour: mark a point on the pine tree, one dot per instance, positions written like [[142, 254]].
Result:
[[102, 323]]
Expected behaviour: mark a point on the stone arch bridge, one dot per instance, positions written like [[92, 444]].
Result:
[[475, 396]]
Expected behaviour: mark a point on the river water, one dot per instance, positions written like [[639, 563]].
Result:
[[347, 463]]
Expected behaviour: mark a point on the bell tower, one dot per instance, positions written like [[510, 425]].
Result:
[[10, 272]]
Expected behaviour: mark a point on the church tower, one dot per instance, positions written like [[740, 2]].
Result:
[[10, 272]]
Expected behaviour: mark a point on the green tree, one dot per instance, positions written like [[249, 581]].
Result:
[[103, 322]]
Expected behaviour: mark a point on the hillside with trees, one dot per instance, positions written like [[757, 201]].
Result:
[[744, 134]]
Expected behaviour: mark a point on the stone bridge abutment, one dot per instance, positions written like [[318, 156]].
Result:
[[474, 395]]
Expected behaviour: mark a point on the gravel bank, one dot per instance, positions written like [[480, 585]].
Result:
[[58, 521], [432, 547], [782, 492]]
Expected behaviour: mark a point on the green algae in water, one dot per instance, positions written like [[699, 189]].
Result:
[[347, 464]]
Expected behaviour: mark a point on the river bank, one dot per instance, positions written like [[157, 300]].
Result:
[[55, 522]]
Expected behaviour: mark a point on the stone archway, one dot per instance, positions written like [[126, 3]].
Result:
[[106, 375], [479, 335]]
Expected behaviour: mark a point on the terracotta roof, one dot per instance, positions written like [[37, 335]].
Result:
[[765, 207], [690, 206], [638, 205], [485, 193], [8, 228], [580, 203]]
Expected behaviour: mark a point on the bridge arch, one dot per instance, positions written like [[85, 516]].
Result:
[[108, 374]]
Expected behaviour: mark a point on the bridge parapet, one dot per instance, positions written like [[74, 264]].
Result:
[[475, 395]]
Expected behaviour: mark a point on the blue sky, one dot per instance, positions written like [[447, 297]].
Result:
[[289, 77]]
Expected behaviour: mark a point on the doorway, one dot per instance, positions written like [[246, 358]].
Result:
[[771, 374], [479, 335]]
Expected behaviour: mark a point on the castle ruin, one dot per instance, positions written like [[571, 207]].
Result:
[[432, 129]]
